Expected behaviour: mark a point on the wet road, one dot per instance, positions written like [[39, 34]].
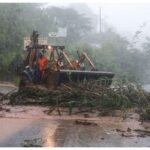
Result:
[[26, 132], [103, 135], [30, 127], [66, 133]]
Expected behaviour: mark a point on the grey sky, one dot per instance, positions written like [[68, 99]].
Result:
[[126, 18]]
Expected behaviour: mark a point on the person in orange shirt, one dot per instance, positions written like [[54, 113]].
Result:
[[42, 61]]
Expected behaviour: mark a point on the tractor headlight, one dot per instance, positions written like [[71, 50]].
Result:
[[49, 47]]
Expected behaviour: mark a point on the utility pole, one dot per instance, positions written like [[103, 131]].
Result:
[[100, 21]]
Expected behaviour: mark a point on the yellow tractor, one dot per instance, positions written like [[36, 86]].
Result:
[[58, 68]]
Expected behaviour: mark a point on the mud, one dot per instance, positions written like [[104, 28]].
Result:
[[30, 126], [27, 126]]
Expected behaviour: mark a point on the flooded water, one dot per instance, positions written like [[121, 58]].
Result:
[[30, 126]]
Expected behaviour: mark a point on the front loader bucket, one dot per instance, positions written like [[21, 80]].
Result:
[[81, 75]]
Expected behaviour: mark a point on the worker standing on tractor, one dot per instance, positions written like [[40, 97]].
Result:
[[42, 61]]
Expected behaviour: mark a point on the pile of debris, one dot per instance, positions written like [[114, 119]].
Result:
[[88, 97]]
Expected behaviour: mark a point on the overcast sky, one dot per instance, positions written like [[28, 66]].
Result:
[[125, 17]]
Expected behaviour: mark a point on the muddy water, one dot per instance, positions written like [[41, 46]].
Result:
[[29, 126]]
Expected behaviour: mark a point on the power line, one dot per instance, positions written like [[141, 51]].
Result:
[[100, 21]]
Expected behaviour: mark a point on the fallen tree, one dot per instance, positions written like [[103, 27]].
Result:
[[87, 97]]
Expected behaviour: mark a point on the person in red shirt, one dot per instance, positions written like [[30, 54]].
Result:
[[42, 61]]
